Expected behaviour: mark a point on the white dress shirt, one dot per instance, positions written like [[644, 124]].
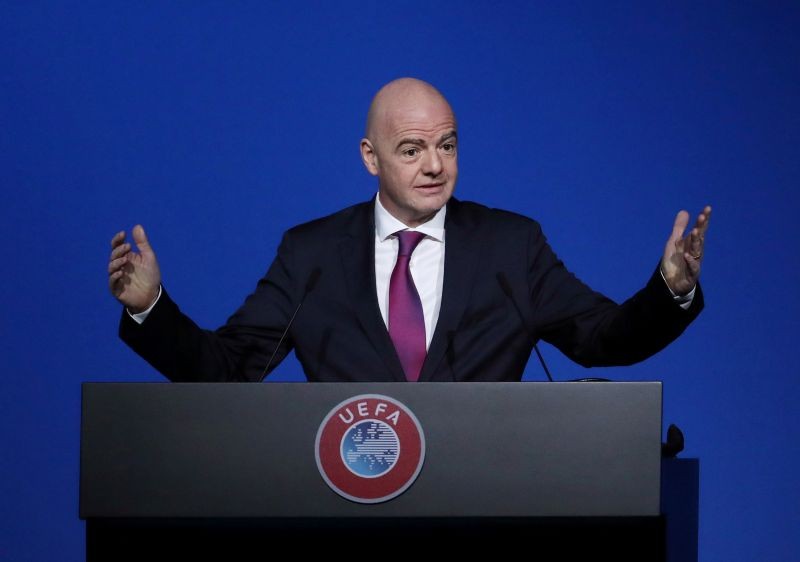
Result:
[[426, 265]]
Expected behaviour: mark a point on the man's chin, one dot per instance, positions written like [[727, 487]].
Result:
[[433, 197], [429, 207]]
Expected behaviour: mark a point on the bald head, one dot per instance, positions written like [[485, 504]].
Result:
[[400, 97]]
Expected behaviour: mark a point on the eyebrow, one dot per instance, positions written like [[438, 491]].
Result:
[[421, 142]]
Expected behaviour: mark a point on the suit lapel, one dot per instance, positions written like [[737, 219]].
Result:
[[357, 252], [462, 253]]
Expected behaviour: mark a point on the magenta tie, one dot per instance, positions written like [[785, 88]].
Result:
[[406, 319]]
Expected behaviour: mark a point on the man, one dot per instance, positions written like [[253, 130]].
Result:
[[413, 285]]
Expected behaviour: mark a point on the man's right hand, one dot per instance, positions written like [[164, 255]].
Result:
[[134, 278]]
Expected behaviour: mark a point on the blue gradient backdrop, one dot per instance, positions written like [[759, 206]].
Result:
[[219, 125]]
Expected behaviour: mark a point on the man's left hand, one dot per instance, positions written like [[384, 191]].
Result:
[[684, 255]]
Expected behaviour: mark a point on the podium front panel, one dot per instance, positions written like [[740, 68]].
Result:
[[211, 450]]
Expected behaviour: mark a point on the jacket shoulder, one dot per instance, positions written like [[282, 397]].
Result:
[[354, 219], [471, 213]]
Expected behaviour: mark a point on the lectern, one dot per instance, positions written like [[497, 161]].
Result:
[[224, 471]]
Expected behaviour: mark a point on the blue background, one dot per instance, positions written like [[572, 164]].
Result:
[[219, 125]]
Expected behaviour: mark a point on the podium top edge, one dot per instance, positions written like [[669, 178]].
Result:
[[370, 383]]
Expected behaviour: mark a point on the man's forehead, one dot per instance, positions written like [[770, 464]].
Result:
[[425, 120], [419, 134]]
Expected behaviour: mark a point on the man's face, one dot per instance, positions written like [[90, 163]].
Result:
[[413, 151]]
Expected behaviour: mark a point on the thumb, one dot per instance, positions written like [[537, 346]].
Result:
[[679, 227], [140, 238]]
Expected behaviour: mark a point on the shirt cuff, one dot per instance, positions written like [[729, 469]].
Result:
[[140, 317], [684, 301]]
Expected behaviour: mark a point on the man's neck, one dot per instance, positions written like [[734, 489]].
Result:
[[387, 224]]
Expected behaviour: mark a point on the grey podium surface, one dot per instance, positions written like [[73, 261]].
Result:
[[164, 450]]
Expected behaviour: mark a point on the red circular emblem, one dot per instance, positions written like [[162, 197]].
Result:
[[370, 448]]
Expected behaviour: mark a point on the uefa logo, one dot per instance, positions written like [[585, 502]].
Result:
[[370, 448]]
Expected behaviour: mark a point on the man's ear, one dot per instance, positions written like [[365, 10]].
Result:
[[369, 156]]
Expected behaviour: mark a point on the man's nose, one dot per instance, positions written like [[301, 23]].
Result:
[[432, 163]]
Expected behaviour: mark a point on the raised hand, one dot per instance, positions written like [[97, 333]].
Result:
[[134, 278], [684, 255]]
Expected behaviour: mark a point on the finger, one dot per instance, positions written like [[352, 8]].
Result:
[[120, 251], [692, 265], [117, 264], [118, 239], [696, 244], [115, 279], [116, 275], [140, 238], [703, 219]]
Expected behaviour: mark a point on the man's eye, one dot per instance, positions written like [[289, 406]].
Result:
[[448, 147], [411, 151]]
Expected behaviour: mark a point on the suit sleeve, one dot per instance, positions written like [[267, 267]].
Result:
[[238, 351], [590, 328]]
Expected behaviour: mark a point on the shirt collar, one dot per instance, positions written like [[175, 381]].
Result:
[[386, 225]]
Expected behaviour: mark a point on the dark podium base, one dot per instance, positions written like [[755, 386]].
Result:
[[614, 538]]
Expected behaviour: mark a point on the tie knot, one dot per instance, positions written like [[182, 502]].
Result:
[[408, 241]]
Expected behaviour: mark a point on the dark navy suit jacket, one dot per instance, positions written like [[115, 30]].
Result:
[[339, 335]]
